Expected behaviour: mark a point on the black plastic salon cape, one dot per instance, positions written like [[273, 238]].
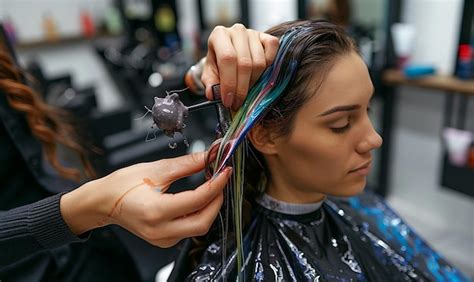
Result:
[[352, 239]]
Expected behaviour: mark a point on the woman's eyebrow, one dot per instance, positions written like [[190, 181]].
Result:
[[340, 109], [346, 108]]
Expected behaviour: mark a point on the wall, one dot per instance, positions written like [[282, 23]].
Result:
[[77, 59], [85, 67], [27, 15], [437, 24], [261, 18]]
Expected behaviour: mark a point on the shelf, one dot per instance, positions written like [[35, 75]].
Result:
[[66, 40], [435, 82]]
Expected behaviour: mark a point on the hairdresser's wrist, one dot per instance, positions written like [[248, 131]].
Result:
[[193, 77], [85, 208]]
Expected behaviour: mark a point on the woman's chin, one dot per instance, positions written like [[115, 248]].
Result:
[[351, 190]]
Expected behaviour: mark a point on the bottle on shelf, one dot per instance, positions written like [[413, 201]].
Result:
[[464, 70]]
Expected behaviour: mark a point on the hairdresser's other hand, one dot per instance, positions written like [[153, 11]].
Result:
[[130, 197], [236, 58]]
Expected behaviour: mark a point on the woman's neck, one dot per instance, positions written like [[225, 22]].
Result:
[[292, 195], [273, 204]]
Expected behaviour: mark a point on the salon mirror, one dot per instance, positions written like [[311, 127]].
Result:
[[365, 20]]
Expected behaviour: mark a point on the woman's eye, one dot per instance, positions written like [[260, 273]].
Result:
[[342, 129]]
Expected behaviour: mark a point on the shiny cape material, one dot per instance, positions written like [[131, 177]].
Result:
[[352, 239]]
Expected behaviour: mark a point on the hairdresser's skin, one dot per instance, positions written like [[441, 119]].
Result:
[[236, 58], [128, 197], [321, 154], [132, 198]]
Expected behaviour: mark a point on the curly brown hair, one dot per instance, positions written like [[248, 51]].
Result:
[[51, 126]]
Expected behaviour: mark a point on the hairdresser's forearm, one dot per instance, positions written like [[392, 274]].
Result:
[[32, 228], [85, 208]]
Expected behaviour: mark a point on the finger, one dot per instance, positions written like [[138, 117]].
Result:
[[176, 168], [270, 44], [258, 56], [226, 59], [198, 223], [183, 203], [210, 75], [240, 40]]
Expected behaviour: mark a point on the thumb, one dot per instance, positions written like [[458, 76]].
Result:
[[190, 201], [180, 167]]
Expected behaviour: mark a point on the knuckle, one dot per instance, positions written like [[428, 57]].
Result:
[[238, 26], [254, 32], [272, 40], [216, 30], [228, 56], [150, 215], [231, 84], [205, 78], [219, 28], [260, 64], [147, 218], [245, 64]]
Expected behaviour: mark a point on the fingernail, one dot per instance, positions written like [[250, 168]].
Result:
[[226, 171], [228, 100], [229, 171]]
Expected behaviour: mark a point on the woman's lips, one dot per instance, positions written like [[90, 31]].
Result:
[[363, 170]]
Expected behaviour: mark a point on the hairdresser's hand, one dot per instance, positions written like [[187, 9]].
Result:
[[130, 197], [236, 58]]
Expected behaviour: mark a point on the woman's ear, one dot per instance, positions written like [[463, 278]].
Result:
[[262, 140]]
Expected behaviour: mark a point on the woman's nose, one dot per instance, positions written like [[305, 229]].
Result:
[[372, 141]]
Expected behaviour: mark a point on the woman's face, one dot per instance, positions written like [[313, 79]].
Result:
[[329, 149]]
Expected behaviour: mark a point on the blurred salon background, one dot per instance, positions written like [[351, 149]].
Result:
[[104, 60]]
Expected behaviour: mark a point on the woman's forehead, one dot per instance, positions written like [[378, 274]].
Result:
[[347, 82]]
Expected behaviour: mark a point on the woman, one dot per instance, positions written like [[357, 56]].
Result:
[[41, 211], [311, 141]]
